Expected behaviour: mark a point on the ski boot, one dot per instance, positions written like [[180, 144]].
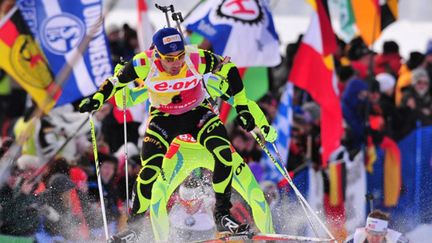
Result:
[[227, 225], [127, 236], [132, 234]]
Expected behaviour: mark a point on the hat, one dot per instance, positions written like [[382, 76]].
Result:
[[168, 40], [60, 183], [386, 81], [376, 225], [419, 74], [390, 47], [26, 161], [78, 176], [345, 72], [357, 49], [415, 59]]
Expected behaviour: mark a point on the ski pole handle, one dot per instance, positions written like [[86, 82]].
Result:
[[165, 10]]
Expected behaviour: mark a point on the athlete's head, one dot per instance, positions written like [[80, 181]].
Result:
[[376, 226], [170, 49]]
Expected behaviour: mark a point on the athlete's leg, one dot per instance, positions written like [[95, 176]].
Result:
[[213, 136], [156, 142]]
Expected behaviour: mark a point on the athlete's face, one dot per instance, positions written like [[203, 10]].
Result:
[[173, 61], [373, 237]]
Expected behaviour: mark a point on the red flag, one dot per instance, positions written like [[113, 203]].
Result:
[[313, 71]]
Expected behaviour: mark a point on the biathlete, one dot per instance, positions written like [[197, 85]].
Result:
[[173, 76]]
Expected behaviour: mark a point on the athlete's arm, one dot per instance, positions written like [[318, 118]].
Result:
[[228, 72], [118, 81]]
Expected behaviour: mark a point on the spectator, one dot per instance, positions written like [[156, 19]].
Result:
[[115, 41], [390, 60], [360, 56], [134, 165], [108, 167], [345, 73], [416, 59], [417, 99], [19, 211], [354, 105], [391, 116], [59, 221], [376, 231]]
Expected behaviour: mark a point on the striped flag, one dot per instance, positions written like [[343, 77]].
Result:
[[23, 60], [372, 16], [313, 71], [144, 28], [282, 123]]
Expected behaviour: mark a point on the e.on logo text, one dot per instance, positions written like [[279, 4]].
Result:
[[174, 85]]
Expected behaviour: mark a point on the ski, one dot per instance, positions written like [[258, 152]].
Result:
[[263, 236]]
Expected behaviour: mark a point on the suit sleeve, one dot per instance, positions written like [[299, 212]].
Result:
[[230, 73], [118, 81]]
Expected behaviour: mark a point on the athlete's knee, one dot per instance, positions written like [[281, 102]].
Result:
[[148, 173], [226, 155]]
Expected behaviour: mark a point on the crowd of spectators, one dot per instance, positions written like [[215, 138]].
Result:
[[53, 194]]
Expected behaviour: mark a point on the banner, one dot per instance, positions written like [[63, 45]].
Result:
[[60, 26], [243, 30], [24, 61]]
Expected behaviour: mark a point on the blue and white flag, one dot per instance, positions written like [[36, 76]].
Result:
[[60, 26], [282, 124], [241, 29]]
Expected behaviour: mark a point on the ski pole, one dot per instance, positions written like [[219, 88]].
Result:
[[125, 146], [126, 152], [99, 180], [284, 172]]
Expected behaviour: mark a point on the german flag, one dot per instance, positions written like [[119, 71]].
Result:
[[372, 16], [24, 61], [334, 198]]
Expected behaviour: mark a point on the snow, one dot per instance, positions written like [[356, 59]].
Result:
[[421, 234]]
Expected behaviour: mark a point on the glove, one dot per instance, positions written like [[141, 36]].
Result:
[[245, 118], [91, 104], [119, 66], [269, 133]]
